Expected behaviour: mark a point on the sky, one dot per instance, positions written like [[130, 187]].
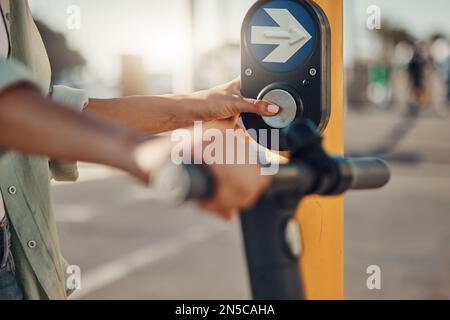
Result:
[[420, 17], [161, 30]]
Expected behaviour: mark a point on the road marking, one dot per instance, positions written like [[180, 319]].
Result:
[[114, 271], [74, 213], [83, 213]]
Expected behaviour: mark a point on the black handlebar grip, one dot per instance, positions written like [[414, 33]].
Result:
[[298, 177], [180, 183], [201, 182], [368, 173]]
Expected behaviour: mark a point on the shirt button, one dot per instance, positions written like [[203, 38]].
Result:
[[8, 16], [12, 190], [32, 244]]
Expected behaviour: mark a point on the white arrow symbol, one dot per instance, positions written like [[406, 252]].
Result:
[[290, 36]]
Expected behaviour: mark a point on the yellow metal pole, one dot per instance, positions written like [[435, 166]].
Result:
[[322, 219]]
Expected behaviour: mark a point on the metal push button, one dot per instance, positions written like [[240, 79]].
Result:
[[288, 106]]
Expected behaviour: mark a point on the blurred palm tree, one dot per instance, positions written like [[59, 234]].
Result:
[[390, 36], [63, 59], [393, 35]]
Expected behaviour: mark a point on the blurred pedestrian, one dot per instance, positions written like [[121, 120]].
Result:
[[440, 53], [417, 69]]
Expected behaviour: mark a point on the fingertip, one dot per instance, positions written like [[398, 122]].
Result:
[[273, 109], [268, 108]]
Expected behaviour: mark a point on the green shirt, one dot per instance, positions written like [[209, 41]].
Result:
[[24, 179]]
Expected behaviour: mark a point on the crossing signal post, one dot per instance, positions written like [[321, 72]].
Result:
[[292, 56], [321, 219]]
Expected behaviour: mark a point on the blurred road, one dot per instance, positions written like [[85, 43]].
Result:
[[404, 228], [131, 247]]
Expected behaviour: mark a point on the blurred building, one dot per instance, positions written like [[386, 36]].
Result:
[[218, 65], [134, 77]]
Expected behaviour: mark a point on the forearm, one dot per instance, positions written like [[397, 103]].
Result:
[[31, 123], [158, 114], [149, 114]]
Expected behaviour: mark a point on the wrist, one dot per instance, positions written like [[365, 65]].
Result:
[[194, 106], [147, 156], [124, 149]]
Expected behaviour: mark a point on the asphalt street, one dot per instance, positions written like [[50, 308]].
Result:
[[130, 246]]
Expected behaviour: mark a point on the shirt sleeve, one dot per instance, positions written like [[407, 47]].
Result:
[[13, 73], [74, 98], [78, 100]]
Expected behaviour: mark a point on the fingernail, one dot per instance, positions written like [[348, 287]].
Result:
[[272, 108]]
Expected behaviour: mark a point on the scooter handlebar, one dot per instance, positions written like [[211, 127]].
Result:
[[368, 173], [195, 182]]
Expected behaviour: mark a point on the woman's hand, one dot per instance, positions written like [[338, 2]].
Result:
[[224, 101], [237, 187]]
